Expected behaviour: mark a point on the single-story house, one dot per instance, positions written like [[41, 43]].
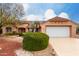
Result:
[[55, 27], [59, 27], [23, 27]]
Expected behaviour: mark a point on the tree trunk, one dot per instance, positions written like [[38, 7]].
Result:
[[0, 29]]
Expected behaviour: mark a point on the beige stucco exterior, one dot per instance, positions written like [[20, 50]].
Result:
[[57, 21], [23, 26], [15, 28], [67, 23]]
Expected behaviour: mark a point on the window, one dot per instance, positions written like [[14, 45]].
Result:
[[8, 29]]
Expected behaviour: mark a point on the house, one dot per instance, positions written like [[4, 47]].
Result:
[[59, 27], [55, 27], [23, 27]]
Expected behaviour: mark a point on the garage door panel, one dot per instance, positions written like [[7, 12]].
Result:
[[58, 31]]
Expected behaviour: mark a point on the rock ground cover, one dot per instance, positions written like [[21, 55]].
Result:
[[7, 48], [11, 46]]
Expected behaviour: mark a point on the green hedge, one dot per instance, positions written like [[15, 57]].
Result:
[[35, 41], [14, 33], [10, 33]]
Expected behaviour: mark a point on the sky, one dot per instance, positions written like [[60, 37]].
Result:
[[45, 11]]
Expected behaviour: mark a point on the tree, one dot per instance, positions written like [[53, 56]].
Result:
[[35, 26], [13, 9], [7, 20]]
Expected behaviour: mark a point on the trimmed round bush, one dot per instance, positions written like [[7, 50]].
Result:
[[35, 41]]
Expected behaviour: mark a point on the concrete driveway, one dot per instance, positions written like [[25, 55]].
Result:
[[65, 46]]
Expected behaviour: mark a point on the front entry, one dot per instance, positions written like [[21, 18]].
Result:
[[21, 30]]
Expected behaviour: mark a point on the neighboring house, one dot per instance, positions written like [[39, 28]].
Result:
[[55, 27]]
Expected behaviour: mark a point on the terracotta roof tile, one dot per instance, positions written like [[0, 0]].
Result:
[[58, 19]]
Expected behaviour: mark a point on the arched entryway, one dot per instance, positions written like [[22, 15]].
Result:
[[21, 29]]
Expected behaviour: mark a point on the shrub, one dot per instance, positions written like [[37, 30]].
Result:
[[35, 41], [20, 34], [14, 33], [11, 33]]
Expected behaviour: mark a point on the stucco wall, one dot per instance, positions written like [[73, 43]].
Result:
[[71, 24], [15, 28], [4, 28], [23, 26], [43, 27]]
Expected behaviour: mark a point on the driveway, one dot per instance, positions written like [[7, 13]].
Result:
[[65, 46]]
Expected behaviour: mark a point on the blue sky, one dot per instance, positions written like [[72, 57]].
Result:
[[39, 9]]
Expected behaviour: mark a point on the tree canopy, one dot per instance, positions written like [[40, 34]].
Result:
[[16, 9]]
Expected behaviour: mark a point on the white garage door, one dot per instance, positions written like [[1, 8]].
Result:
[[58, 31]]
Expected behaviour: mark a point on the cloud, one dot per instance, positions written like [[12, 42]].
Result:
[[34, 18], [26, 6], [49, 14], [63, 15]]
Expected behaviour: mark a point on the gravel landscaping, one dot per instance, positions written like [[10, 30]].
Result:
[[7, 47], [46, 52], [11, 46]]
